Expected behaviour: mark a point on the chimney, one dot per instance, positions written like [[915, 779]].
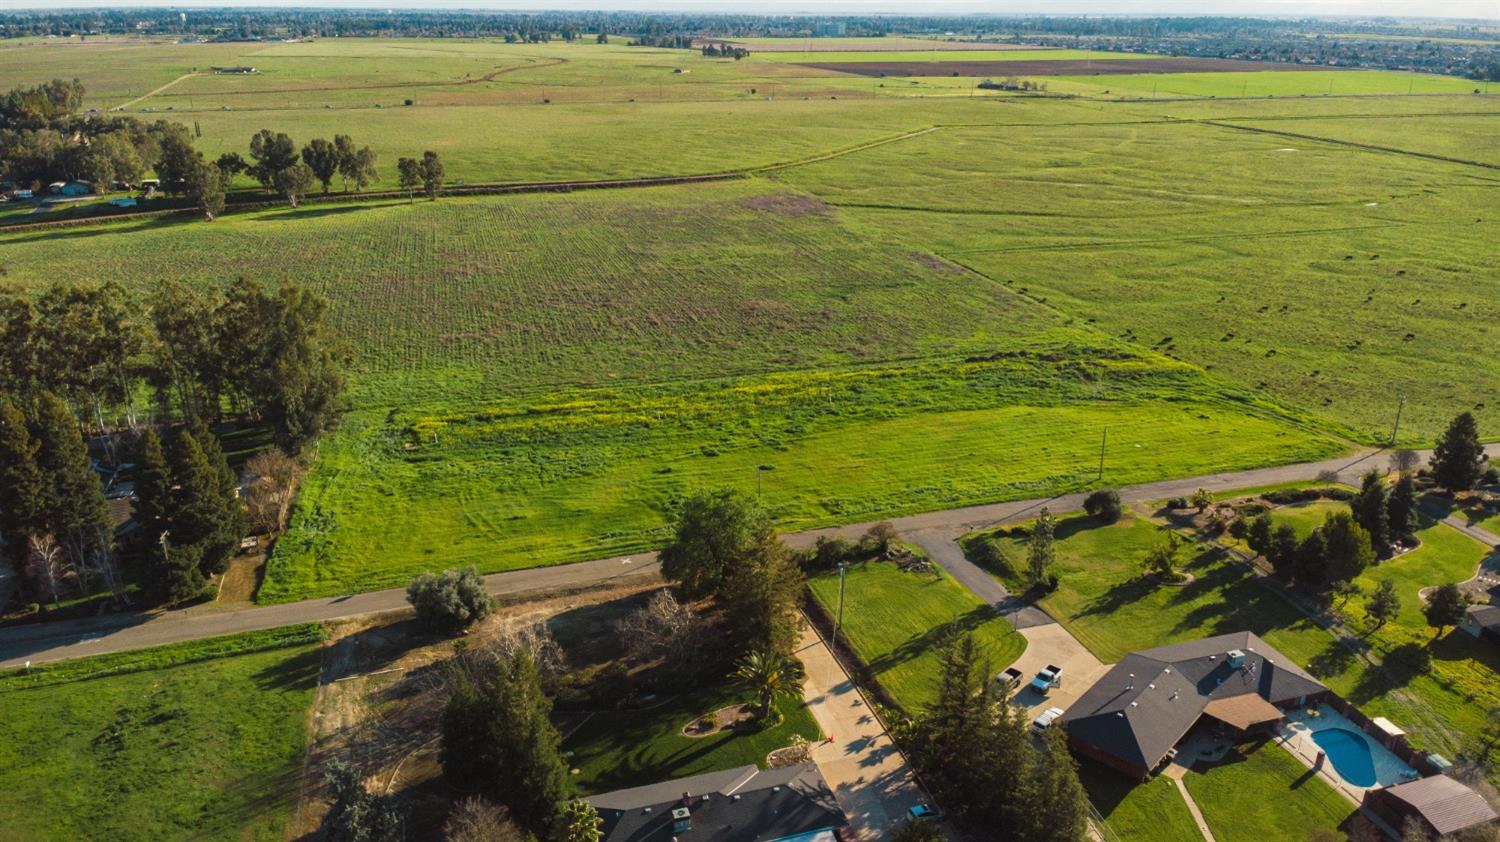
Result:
[[1236, 658]]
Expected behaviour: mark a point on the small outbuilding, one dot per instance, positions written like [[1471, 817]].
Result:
[[70, 188], [1483, 622], [1439, 803], [746, 804]]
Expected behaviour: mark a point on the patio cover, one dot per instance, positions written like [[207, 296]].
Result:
[[1242, 712]]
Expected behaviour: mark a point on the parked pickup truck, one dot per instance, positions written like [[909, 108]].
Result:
[[1046, 719], [1009, 679], [1047, 679]]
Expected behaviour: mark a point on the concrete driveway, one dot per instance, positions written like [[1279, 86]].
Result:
[[1051, 644]]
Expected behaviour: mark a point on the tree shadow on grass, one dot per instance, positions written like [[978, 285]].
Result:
[[1334, 660], [299, 672], [1398, 668], [1242, 605]]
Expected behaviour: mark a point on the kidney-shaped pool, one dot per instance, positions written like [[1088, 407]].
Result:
[[1349, 752]]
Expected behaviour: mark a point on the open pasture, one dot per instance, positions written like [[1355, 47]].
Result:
[[1329, 277], [939, 53], [190, 741], [576, 474], [1251, 79], [1468, 137]]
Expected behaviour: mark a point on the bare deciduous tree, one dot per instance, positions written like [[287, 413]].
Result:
[[476, 820], [46, 564], [1404, 461], [269, 499], [663, 627]]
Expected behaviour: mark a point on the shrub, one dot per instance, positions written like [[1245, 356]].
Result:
[[1104, 504], [878, 540], [1239, 528], [1491, 476], [449, 601], [829, 552], [1177, 503]]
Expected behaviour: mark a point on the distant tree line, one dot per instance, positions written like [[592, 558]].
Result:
[[722, 50], [43, 139]]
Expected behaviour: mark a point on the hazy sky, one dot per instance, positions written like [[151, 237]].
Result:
[[1420, 8]]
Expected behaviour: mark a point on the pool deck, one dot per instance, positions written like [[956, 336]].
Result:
[[1297, 737]]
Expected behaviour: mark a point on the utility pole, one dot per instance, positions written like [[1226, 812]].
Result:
[[839, 623], [1400, 405], [1103, 440]]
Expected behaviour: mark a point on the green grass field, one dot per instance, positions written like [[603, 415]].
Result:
[[1153, 810], [616, 750], [1265, 793], [897, 621], [203, 740]]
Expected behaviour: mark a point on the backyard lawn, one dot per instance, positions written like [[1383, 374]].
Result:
[[189, 741], [1264, 794], [618, 749], [896, 622], [1153, 810]]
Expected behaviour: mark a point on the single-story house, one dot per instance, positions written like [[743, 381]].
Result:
[[1135, 715], [745, 804], [1482, 621], [1441, 804]]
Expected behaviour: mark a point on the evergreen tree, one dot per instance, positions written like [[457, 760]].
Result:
[[1259, 537], [1370, 510], [469, 743], [1060, 808], [202, 514], [1458, 459], [1040, 551], [1283, 551], [716, 532], [1446, 606], [760, 598], [78, 514], [24, 492], [1384, 603], [173, 571], [1349, 550], [1401, 507], [1312, 560], [533, 776], [300, 387], [152, 506], [581, 823]]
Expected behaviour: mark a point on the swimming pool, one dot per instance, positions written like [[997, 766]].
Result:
[[1353, 757], [1349, 752]]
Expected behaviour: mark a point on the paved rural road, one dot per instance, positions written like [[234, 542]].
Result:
[[43, 642]]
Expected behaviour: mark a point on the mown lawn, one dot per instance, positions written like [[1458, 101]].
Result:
[[1153, 810], [1264, 794], [897, 621], [618, 749], [1438, 694], [1446, 555], [202, 740]]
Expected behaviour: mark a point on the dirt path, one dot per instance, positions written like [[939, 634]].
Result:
[[124, 105], [43, 642]]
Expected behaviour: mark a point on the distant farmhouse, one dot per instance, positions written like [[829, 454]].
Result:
[[1133, 718], [238, 70], [790, 804], [1482, 621]]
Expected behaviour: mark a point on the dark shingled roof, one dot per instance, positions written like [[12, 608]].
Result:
[[742, 805], [1446, 804], [1139, 719], [1487, 616]]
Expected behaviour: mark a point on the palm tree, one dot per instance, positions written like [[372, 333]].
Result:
[[771, 675]]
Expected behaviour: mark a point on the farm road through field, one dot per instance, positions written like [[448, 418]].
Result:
[[67, 639]]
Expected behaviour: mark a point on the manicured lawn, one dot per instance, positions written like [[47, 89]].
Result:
[[1446, 555], [190, 741], [1153, 810], [616, 749], [1106, 604], [1263, 795], [1305, 517], [897, 621]]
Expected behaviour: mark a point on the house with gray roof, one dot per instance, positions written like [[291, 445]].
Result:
[[1137, 713], [746, 804], [1483, 622]]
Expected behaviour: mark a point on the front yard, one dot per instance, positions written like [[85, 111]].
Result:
[[896, 621]]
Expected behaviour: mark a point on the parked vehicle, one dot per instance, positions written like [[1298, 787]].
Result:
[[925, 811], [1009, 679], [1047, 679], [1045, 719]]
